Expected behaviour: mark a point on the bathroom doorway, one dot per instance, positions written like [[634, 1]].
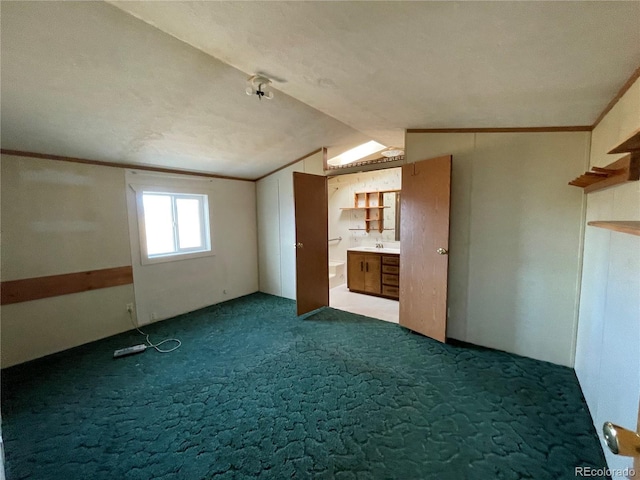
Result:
[[418, 278], [364, 216]]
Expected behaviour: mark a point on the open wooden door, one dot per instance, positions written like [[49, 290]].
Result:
[[624, 442], [424, 261], [636, 459], [312, 248]]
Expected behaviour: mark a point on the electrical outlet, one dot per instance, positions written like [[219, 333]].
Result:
[[130, 307], [154, 316]]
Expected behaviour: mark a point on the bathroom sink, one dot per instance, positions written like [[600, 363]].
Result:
[[375, 249]]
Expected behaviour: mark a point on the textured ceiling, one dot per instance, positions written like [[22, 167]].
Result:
[[84, 79], [380, 66], [87, 79]]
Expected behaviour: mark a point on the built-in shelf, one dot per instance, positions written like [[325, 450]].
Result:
[[362, 208], [372, 203], [365, 230], [626, 169], [631, 144], [631, 227], [623, 170]]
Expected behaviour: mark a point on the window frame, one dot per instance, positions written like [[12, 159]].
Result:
[[181, 253]]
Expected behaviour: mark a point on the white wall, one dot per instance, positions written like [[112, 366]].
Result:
[[515, 238], [341, 193], [276, 227], [608, 342], [60, 217], [164, 290]]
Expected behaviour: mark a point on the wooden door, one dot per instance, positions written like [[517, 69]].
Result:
[[636, 460], [424, 233], [372, 274], [312, 248]]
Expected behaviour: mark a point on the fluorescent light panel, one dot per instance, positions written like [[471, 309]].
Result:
[[356, 153]]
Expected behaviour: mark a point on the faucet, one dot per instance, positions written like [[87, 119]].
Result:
[[379, 245]]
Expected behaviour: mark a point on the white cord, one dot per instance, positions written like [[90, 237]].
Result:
[[157, 344]]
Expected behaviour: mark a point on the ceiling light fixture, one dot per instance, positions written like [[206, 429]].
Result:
[[392, 152], [356, 153], [259, 85]]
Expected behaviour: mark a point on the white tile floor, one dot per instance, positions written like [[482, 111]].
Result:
[[376, 307]]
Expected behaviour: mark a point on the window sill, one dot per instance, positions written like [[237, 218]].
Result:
[[175, 257]]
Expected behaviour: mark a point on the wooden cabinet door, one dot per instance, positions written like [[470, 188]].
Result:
[[312, 249], [424, 229], [355, 271], [372, 272]]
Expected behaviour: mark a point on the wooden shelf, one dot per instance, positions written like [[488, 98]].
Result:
[[626, 169], [368, 198], [631, 144], [364, 229], [631, 227], [361, 208]]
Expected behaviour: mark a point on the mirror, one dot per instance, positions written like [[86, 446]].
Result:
[[391, 231]]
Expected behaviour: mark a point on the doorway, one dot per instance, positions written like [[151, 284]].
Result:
[[417, 278], [352, 228]]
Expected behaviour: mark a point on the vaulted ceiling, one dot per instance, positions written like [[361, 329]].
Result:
[[162, 83]]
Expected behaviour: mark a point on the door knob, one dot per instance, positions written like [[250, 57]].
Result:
[[299, 245], [621, 441], [442, 251]]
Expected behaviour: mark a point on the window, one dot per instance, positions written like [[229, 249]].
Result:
[[173, 224]]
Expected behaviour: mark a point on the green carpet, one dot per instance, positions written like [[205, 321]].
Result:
[[255, 392]]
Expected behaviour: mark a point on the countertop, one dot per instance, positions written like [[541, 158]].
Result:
[[395, 251]]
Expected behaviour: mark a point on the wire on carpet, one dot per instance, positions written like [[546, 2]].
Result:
[[157, 345]]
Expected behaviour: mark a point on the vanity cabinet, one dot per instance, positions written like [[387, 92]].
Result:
[[363, 272], [373, 273], [391, 276]]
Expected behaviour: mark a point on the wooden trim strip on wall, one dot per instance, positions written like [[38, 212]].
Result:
[[47, 156], [290, 163], [574, 128], [16, 291], [632, 79]]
